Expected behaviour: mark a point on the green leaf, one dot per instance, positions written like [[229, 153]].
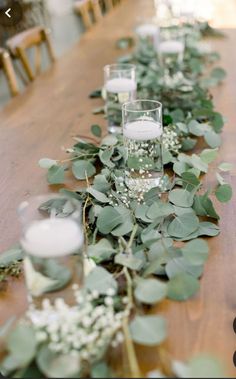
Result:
[[105, 156], [59, 272], [101, 251], [150, 291], [100, 280], [56, 175], [55, 365], [47, 163], [181, 198], [208, 155], [96, 130], [101, 184], [179, 265], [22, 344], [108, 219], [218, 73], [212, 139], [204, 366], [196, 128], [208, 229], [148, 330], [188, 143], [203, 206], [196, 251], [183, 225], [109, 140], [101, 197], [100, 370], [127, 222], [159, 209], [190, 181], [180, 167], [82, 168], [198, 163], [182, 287], [129, 261], [224, 193], [224, 166], [10, 256]]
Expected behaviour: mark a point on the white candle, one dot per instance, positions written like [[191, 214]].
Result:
[[171, 47], [119, 85], [53, 237], [142, 130], [147, 30]]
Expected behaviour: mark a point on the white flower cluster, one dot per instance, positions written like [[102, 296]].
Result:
[[176, 81], [85, 330], [170, 139]]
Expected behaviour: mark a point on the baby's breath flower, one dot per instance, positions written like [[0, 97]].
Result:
[[82, 330]]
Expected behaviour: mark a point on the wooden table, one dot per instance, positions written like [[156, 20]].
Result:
[[55, 107]]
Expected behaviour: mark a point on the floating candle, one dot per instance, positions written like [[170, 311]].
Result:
[[171, 47], [118, 85], [142, 130], [147, 30], [53, 237]]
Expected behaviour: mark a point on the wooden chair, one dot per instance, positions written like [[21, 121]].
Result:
[[89, 10], [108, 5], [6, 64], [30, 38]]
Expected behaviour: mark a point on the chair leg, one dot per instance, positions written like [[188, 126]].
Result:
[[10, 74], [96, 10], [49, 45], [25, 62]]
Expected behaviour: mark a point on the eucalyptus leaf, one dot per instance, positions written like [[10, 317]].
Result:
[[183, 225], [150, 291], [208, 229], [224, 166], [56, 174], [108, 219], [179, 265], [224, 193], [148, 330], [183, 286], [96, 130], [22, 344], [100, 196], [129, 261], [181, 198], [100, 280], [47, 163], [82, 169], [212, 139], [101, 251], [54, 365], [196, 251], [10, 256], [209, 155]]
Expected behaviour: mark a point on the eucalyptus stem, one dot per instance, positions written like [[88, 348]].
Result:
[[134, 231], [76, 157], [133, 362], [84, 222]]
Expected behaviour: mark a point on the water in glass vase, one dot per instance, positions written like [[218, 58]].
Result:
[[118, 91], [144, 166], [51, 265]]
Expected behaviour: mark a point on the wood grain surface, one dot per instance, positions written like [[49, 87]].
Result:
[[41, 121]]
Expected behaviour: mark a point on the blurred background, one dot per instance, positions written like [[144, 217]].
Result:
[[67, 26]]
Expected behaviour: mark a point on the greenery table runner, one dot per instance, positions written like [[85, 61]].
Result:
[[140, 249]]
